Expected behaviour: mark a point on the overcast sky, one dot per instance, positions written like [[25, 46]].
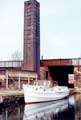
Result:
[[60, 23]]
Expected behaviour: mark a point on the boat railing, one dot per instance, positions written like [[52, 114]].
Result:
[[42, 82]]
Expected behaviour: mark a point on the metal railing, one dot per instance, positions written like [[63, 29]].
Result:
[[10, 64]]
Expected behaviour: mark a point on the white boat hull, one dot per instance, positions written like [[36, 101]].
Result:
[[38, 96]]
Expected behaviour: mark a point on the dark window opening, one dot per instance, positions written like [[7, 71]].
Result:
[[46, 74]]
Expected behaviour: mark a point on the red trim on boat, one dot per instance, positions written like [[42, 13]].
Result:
[[45, 101]]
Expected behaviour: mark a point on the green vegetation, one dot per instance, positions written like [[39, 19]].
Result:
[[10, 92]]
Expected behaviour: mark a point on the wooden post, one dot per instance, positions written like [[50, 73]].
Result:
[[28, 80], [36, 80], [36, 77], [7, 79], [19, 80]]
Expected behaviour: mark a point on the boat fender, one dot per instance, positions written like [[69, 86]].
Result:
[[59, 88]]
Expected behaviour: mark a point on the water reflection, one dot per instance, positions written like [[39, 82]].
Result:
[[12, 112], [67, 109], [49, 111]]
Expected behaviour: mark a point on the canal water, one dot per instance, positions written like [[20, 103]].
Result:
[[67, 109]]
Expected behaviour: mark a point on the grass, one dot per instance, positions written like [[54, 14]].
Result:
[[10, 92]]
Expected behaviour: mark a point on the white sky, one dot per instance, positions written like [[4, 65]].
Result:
[[60, 28]]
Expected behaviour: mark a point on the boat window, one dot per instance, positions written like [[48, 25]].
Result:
[[36, 89]]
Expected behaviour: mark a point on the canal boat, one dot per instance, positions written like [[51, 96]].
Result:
[[44, 93]]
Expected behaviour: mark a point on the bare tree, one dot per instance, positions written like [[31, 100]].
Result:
[[16, 56]]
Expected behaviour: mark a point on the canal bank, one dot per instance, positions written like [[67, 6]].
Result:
[[8, 97]]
